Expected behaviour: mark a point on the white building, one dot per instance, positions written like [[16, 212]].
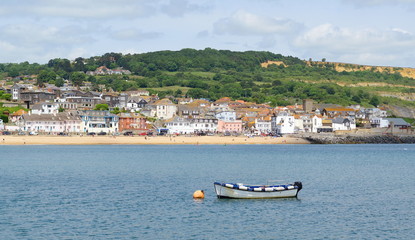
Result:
[[317, 122], [179, 125], [262, 126], [51, 123], [45, 108], [165, 109], [227, 116], [204, 125], [343, 124], [99, 121], [379, 122], [283, 123]]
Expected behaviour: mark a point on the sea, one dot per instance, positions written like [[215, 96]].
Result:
[[145, 192]]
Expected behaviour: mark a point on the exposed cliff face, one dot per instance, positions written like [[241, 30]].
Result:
[[401, 111], [348, 67], [340, 67]]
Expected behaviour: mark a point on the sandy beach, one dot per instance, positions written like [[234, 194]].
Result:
[[141, 140]]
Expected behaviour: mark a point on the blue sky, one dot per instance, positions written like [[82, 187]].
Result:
[[372, 32]]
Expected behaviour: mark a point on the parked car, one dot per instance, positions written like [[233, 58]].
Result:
[[128, 133], [33, 133], [21, 133], [91, 134], [102, 133], [7, 133], [62, 134]]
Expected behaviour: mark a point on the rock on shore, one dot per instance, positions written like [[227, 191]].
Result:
[[381, 139]]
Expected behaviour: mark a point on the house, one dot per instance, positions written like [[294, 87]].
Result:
[[316, 123], [99, 121], [135, 103], [112, 99], [51, 123], [14, 117], [31, 98], [45, 108], [376, 122], [190, 110], [283, 123], [17, 89], [343, 124], [398, 123], [179, 125], [375, 112], [227, 115], [262, 126], [132, 122], [82, 103], [221, 104], [122, 100], [230, 126], [338, 111], [327, 126], [165, 109], [204, 125]]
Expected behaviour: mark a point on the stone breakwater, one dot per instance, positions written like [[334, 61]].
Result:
[[372, 139]]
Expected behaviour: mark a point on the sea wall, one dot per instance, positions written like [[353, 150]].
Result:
[[380, 139]]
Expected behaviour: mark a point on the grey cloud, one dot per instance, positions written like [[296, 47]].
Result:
[[369, 3], [80, 9], [202, 34], [178, 8], [245, 24], [361, 45], [134, 35]]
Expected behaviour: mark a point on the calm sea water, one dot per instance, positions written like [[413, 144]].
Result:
[[145, 192]]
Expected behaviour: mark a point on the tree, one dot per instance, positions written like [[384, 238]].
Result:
[[102, 107], [79, 65], [59, 82], [374, 101], [78, 78], [45, 77]]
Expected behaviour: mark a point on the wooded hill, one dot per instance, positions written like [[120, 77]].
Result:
[[261, 77]]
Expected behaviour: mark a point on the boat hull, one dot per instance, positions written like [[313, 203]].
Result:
[[226, 192]]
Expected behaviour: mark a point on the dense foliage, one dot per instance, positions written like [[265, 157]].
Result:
[[5, 111], [213, 74]]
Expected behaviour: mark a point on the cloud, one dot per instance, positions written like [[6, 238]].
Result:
[[203, 34], [39, 42], [178, 8], [131, 34], [368, 3], [243, 23], [342, 40], [368, 45], [80, 9]]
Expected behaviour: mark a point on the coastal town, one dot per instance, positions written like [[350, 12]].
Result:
[[68, 110]]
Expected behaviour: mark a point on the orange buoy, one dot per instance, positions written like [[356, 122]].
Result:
[[199, 194]]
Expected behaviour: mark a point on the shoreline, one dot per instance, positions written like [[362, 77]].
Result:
[[141, 140]]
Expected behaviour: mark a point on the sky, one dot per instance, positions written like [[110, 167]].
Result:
[[367, 32]]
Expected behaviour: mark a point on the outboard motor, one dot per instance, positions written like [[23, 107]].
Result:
[[299, 185]]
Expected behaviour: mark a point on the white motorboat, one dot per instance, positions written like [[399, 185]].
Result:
[[239, 190]]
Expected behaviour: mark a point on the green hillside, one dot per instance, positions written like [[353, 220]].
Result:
[[213, 74]]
